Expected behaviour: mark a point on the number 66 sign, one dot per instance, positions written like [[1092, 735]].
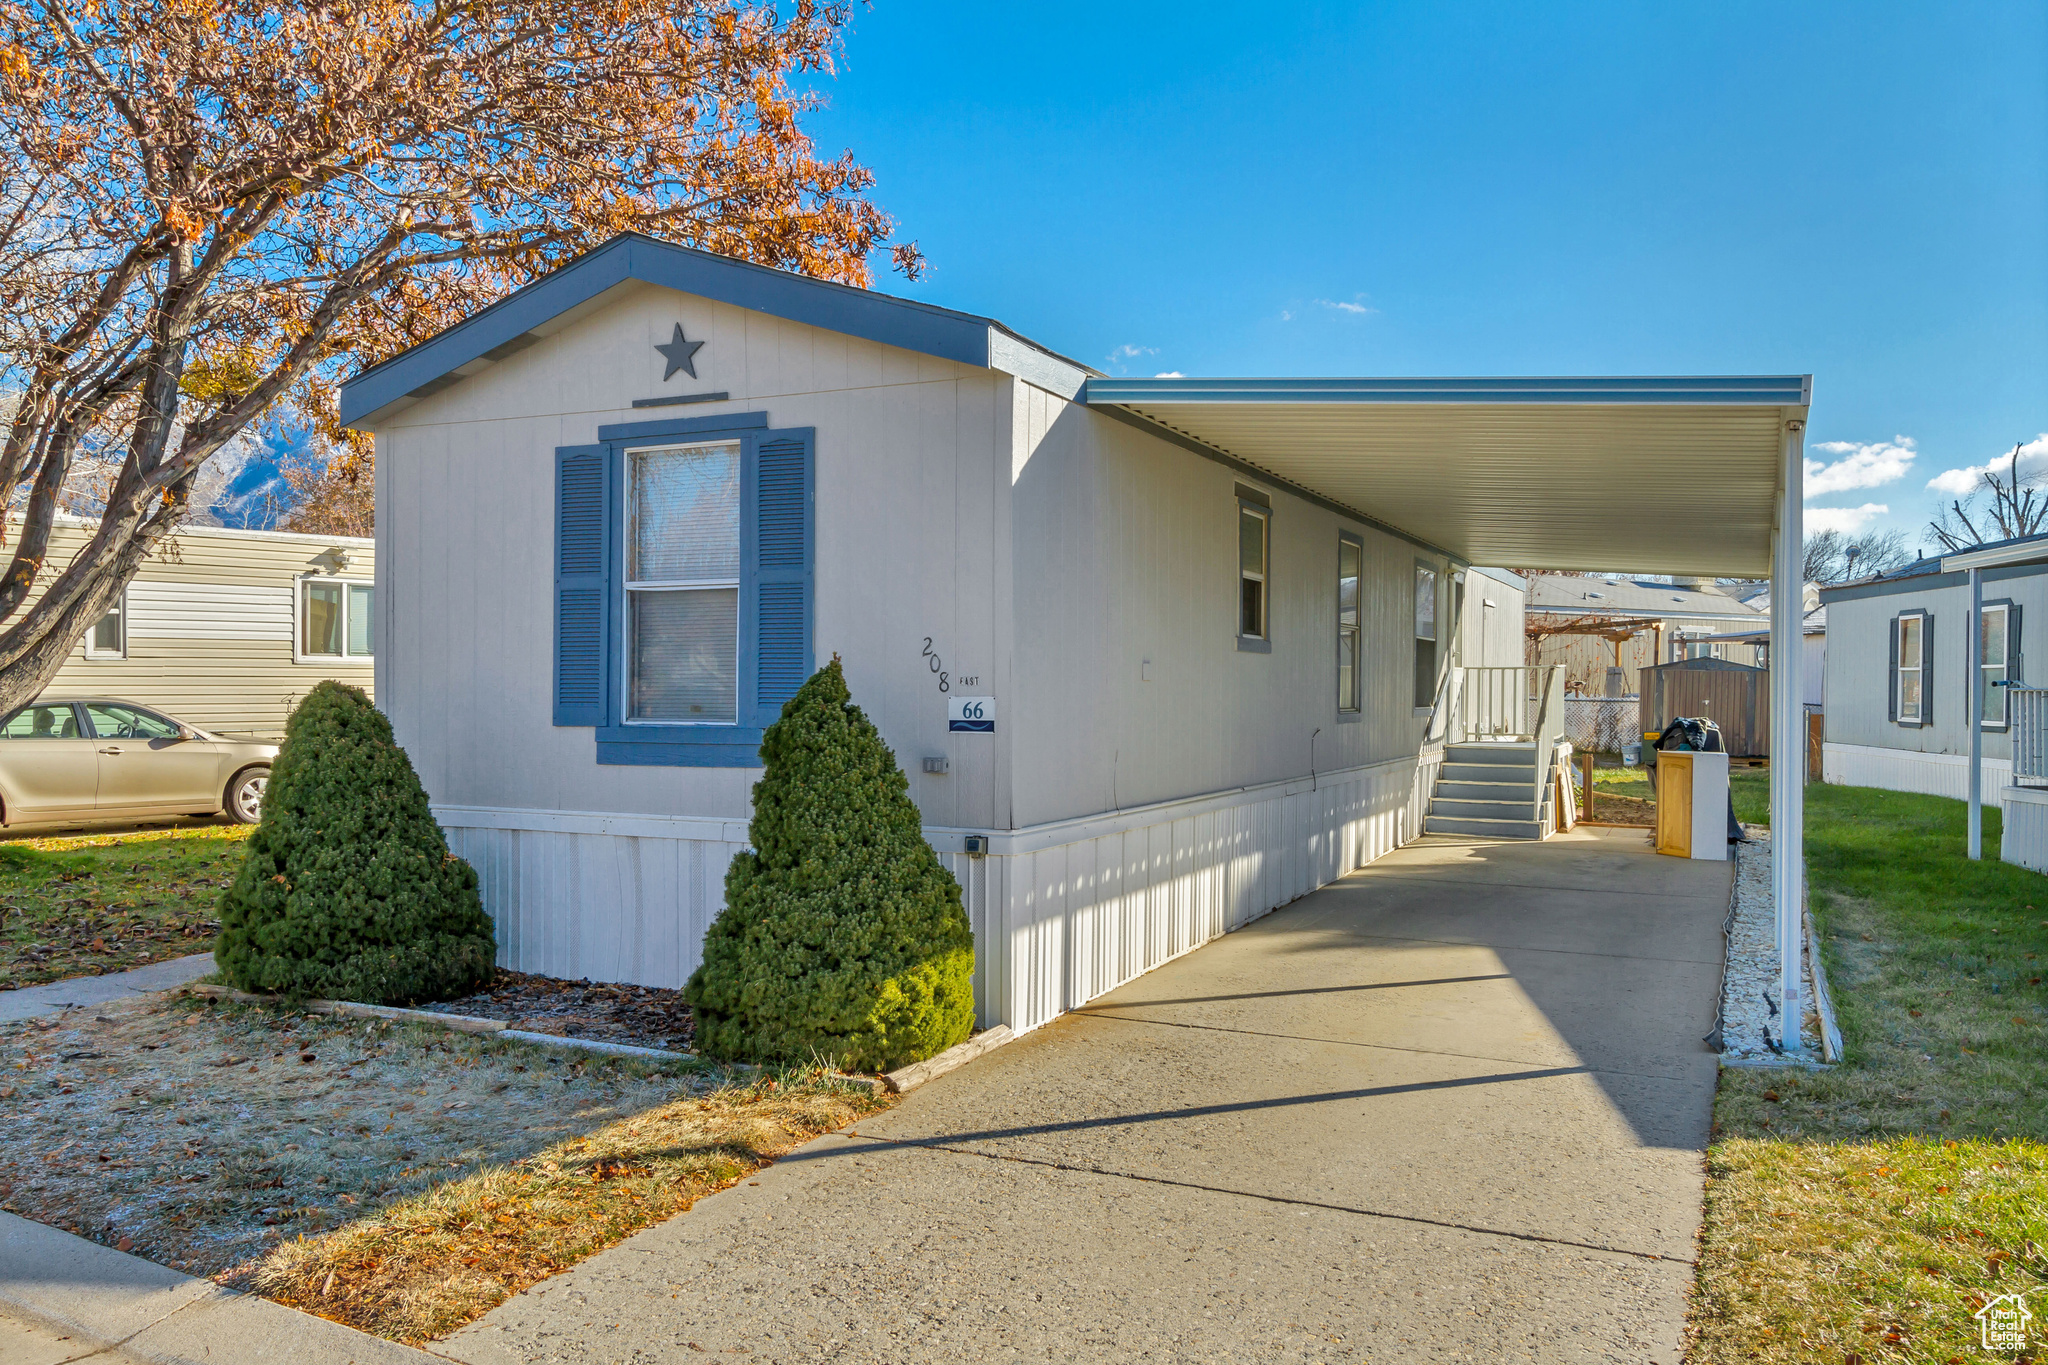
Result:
[[974, 714]]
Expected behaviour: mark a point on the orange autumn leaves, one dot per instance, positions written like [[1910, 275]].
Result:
[[292, 191]]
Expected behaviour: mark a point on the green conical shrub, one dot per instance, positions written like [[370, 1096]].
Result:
[[842, 935], [348, 890]]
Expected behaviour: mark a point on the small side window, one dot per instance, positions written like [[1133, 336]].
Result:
[[1425, 636], [1995, 639], [334, 620], [108, 638], [1350, 568], [1254, 546], [1910, 628]]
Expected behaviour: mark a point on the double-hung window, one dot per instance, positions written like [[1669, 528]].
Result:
[[1350, 568], [683, 573], [1909, 678], [1995, 636], [334, 620], [1425, 636], [108, 638], [683, 585], [1254, 554]]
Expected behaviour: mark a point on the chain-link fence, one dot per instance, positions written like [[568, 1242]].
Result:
[[1601, 724]]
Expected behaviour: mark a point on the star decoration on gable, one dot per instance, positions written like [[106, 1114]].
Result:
[[681, 355]]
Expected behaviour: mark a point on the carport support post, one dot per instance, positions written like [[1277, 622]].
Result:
[[1973, 710], [1788, 766]]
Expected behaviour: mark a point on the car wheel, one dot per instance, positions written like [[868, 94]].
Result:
[[245, 795]]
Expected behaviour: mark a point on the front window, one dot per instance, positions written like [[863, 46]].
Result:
[[1254, 525], [1909, 667], [1350, 564], [1425, 635], [1995, 637], [683, 585], [111, 720], [334, 619], [108, 638]]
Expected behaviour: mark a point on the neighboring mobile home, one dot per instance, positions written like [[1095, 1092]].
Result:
[[1148, 682], [227, 629], [1896, 692]]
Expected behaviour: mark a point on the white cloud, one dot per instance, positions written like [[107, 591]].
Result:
[[1847, 520], [2033, 459], [1354, 308], [1129, 352], [1286, 315], [1169, 374], [1858, 465]]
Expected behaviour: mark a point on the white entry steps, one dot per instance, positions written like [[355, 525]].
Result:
[[1488, 789]]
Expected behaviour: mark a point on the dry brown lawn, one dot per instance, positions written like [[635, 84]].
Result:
[[402, 1178]]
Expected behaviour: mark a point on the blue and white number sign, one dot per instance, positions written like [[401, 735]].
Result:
[[975, 714]]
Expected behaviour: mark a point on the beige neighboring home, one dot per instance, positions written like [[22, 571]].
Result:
[[227, 629]]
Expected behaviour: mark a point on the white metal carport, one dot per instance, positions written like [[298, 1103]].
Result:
[[1679, 475]]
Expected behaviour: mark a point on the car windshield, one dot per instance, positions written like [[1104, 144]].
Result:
[[111, 720]]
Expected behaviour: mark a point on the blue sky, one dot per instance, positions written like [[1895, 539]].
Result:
[[1859, 190]]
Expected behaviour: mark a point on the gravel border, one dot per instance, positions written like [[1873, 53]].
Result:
[[1751, 1034]]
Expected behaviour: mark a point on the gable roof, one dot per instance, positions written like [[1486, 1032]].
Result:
[[1630, 597], [1930, 572], [578, 287]]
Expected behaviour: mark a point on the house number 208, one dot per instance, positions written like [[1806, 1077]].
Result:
[[937, 665]]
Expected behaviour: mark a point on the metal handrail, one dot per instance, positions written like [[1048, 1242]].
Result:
[[2026, 711]]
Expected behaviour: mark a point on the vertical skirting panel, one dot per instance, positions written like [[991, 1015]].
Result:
[[1905, 770], [1096, 910], [2025, 837], [1061, 914]]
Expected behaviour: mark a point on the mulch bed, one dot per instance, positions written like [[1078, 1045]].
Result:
[[640, 1016]]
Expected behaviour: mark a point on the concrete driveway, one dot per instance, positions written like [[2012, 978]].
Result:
[[1452, 1107]]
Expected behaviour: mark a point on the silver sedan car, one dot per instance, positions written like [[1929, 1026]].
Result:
[[66, 761]]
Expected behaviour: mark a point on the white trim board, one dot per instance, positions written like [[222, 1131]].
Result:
[[946, 838]]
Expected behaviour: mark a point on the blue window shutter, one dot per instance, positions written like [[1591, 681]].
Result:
[[583, 556], [776, 632]]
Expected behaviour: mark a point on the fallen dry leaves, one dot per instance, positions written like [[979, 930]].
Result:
[[426, 1265]]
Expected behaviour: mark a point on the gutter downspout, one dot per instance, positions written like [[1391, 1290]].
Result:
[[1973, 710]]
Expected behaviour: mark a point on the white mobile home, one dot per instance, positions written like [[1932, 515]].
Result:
[[1160, 677], [227, 629]]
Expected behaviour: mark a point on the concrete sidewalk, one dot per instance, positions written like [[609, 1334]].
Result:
[[1450, 1108], [63, 1298], [31, 1002]]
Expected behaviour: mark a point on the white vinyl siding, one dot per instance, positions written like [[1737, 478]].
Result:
[[208, 611]]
